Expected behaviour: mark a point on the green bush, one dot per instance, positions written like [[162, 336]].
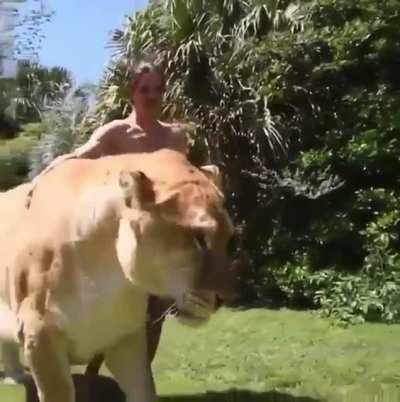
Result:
[[14, 161], [327, 235]]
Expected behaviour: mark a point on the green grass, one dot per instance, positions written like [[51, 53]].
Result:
[[292, 353], [11, 393], [273, 356]]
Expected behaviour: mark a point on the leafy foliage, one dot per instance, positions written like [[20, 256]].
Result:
[[62, 123], [14, 157], [23, 99], [334, 93]]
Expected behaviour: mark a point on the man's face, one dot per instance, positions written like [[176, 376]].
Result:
[[148, 92]]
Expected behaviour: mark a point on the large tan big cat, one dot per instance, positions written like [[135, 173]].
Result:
[[76, 267]]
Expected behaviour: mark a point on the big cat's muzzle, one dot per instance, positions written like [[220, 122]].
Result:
[[218, 275]]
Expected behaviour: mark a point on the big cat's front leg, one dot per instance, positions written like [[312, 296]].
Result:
[[129, 363]]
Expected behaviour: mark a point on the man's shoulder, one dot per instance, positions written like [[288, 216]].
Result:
[[112, 127], [118, 124], [177, 129]]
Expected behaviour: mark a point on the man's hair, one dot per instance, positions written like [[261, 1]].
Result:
[[137, 69]]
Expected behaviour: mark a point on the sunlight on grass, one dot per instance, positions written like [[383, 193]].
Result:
[[296, 352]]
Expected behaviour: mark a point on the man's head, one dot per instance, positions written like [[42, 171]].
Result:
[[146, 86]]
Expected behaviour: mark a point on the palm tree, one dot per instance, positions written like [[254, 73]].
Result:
[[36, 86], [23, 98], [209, 48], [20, 35]]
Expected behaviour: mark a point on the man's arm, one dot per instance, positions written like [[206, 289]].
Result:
[[92, 149], [98, 145]]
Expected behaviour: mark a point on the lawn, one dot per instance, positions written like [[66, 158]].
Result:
[[274, 356], [292, 353]]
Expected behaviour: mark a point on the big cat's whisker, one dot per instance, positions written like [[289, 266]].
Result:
[[171, 309]]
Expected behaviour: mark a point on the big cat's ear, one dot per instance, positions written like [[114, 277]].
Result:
[[137, 189]]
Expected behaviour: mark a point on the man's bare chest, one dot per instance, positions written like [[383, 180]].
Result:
[[135, 141]]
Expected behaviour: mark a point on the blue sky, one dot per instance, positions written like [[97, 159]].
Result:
[[77, 35]]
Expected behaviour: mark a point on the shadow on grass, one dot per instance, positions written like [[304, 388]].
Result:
[[238, 396], [105, 389]]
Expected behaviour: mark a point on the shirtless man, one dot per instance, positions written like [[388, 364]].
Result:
[[141, 131]]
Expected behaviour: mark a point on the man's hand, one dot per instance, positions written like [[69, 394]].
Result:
[[35, 181], [94, 148]]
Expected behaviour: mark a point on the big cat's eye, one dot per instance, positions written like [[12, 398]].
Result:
[[200, 241]]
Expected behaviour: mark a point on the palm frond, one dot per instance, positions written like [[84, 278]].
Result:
[[265, 17], [63, 121]]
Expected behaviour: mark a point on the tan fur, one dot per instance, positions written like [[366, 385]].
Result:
[[100, 235]]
